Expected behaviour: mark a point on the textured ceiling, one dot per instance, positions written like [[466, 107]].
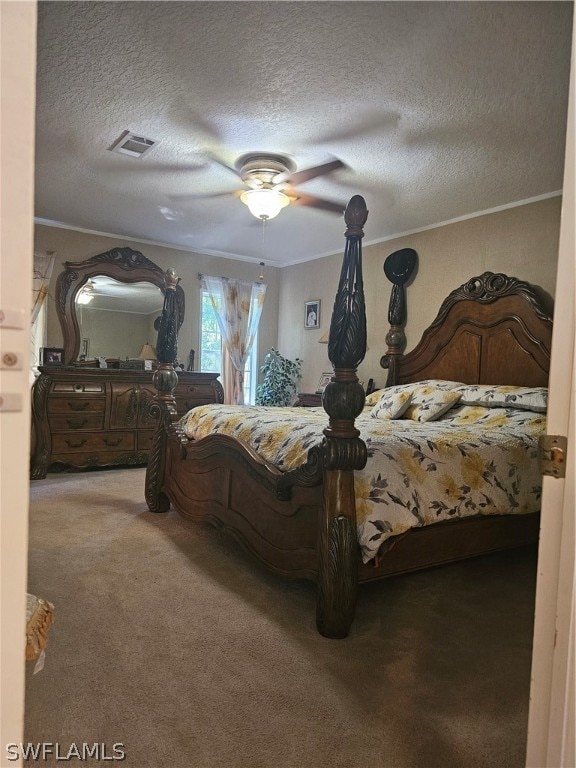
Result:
[[438, 110]]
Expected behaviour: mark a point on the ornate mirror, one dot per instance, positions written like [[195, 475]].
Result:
[[119, 290]]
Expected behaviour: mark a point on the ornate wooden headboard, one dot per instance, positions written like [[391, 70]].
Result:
[[493, 329]]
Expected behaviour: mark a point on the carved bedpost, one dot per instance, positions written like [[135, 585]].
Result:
[[344, 451], [398, 268], [41, 454], [163, 406]]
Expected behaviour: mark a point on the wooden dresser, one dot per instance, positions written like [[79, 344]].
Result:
[[91, 417], [309, 400]]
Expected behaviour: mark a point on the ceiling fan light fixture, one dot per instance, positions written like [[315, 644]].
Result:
[[264, 203]]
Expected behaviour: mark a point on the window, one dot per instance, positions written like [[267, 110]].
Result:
[[211, 349], [251, 373], [210, 338]]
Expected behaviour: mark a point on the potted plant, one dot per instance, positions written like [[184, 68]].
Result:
[[280, 383]]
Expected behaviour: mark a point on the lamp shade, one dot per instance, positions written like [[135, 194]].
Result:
[[264, 203], [147, 352]]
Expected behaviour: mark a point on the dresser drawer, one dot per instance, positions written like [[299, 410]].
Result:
[[76, 405], [190, 395], [93, 441], [109, 458], [77, 421], [78, 388]]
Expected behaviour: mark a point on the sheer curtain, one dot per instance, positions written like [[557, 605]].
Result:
[[238, 307], [43, 266]]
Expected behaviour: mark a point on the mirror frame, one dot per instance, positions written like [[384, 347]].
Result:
[[122, 264]]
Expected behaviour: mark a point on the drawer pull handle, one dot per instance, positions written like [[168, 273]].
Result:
[[76, 423], [112, 443], [72, 444], [81, 406]]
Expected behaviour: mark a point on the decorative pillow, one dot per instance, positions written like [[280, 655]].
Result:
[[429, 403], [429, 399], [471, 414], [490, 418], [373, 397], [500, 396], [392, 403]]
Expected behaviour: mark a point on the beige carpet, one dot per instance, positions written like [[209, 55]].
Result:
[[169, 640]]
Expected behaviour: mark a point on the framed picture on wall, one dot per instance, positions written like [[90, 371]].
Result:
[[312, 314], [52, 356], [324, 381]]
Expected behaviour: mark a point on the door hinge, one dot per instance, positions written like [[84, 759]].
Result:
[[552, 454]]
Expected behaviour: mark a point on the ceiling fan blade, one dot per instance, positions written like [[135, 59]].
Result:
[[299, 177], [193, 122], [127, 167], [318, 202], [371, 124], [191, 197], [217, 160]]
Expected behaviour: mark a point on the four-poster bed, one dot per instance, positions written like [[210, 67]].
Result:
[[301, 521]]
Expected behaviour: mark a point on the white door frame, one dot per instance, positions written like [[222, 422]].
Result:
[[18, 71], [552, 712]]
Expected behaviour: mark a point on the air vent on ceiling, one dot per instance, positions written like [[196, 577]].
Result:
[[130, 144]]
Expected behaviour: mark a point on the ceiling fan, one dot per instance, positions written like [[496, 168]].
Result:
[[271, 182]]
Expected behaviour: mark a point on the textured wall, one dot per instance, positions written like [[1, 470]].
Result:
[[70, 245], [520, 241]]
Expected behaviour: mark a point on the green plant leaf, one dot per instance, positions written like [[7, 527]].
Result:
[[280, 383]]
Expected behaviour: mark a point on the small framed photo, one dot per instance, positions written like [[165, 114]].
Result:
[[324, 381], [312, 314], [52, 356], [84, 349]]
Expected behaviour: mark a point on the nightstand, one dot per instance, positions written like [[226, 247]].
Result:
[[309, 400]]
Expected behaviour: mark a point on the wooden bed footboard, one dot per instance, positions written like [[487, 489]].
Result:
[[223, 482]]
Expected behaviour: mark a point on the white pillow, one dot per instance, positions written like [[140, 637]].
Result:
[[439, 384], [501, 396]]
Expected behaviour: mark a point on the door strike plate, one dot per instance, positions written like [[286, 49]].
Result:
[[552, 455]]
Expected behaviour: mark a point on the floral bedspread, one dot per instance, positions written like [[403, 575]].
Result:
[[471, 461]]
